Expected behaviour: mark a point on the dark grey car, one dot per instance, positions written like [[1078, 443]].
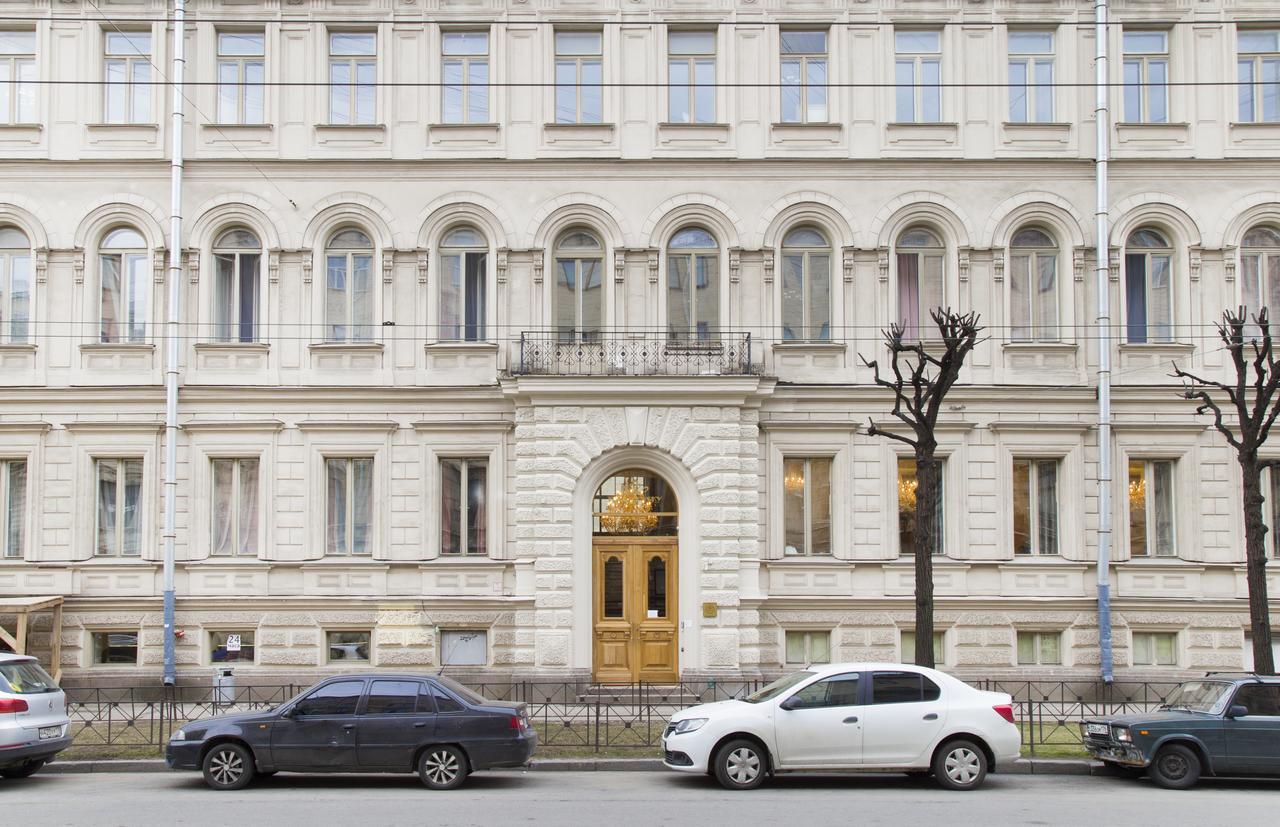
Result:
[[431, 725]]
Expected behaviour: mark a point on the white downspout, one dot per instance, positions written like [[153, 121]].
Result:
[[172, 336], [1102, 233]]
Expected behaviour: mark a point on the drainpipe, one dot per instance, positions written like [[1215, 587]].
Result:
[[171, 335], [1102, 234]]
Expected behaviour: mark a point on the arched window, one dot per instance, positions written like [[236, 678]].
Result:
[[920, 280], [693, 285], [1033, 287], [579, 288], [806, 285], [237, 259], [1260, 271], [125, 286], [1148, 286], [348, 287], [464, 256], [15, 285]]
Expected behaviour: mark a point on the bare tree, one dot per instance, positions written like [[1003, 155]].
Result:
[[920, 383], [1254, 399]]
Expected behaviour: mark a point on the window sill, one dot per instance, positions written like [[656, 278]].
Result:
[[693, 134], [341, 346], [441, 346], [922, 135], [17, 347], [806, 134], [809, 346], [261, 347], [1048, 347], [463, 133], [1255, 132], [238, 127], [123, 127], [442, 560], [579, 134], [230, 133], [1152, 133], [20, 133], [1036, 134], [1157, 347], [117, 347], [354, 134]]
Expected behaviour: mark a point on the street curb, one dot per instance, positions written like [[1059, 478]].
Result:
[[1023, 766]]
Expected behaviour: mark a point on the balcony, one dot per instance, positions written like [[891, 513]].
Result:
[[634, 353]]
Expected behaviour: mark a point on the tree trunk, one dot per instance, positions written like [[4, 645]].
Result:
[[928, 542], [1255, 555]]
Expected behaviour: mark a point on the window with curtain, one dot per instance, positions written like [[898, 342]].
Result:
[[579, 74], [1146, 76], [1148, 285], [17, 77], [693, 285], [348, 505], [1030, 77], [1258, 73], [1151, 532], [127, 71], [908, 646], [691, 77], [235, 507], [349, 286], [1260, 273], [1033, 287], [15, 286], [237, 258], [464, 97], [13, 498], [918, 75], [1035, 506], [241, 72], [921, 269], [807, 647], [908, 485], [806, 285], [123, 264], [804, 76], [806, 505], [579, 289], [353, 73], [464, 256], [118, 529], [464, 506], [1155, 648], [1039, 648]]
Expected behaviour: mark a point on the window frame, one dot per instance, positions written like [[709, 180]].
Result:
[[1038, 636], [1149, 330], [691, 62], [93, 646], [1143, 87], [326, 654], [941, 530], [694, 332], [1263, 255], [210, 631], [351, 326], [1035, 530], [453, 630], [808, 635], [349, 506], [225, 330], [804, 59], [465, 87], [237, 500], [15, 524], [806, 254], [129, 286], [578, 61], [1034, 89], [918, 59], [1149, 522], [560, 254], [460, 330], [1153, 634], [137, 94], [807, 512], [122, 464], [939, 647], [923, 328], [464, 510], [9, 258], [1258, 62], [240, 87], [22, 91], [1038, 330], [354, 63]]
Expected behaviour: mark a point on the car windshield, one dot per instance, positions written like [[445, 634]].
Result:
[[461, 691], [776, 688], [1200, 696], [25, 677]]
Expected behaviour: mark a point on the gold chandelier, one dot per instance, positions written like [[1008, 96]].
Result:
[[907, 494], [1138, 492], [793, 481], [629, 510]]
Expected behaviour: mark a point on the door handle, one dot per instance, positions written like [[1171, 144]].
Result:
[[932, 716], [348, 726], [852, 719], [420, 725]]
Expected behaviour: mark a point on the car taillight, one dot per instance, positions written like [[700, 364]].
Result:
[[13, 705], [1005, 711], [514, 722]]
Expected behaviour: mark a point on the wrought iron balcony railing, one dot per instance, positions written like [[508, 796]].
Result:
[[634, 353]]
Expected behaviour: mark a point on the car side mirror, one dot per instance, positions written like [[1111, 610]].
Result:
[[790, 703], [289, 712], [1237, 711]]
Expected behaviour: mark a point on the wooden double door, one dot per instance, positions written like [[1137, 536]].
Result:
[[635, 630]]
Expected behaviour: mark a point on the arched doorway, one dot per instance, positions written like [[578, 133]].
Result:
[[634, 553]]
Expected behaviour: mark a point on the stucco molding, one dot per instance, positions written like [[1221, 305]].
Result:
[[239, 208], [692, 208], [921, 207], [1030, 208], [805, 207]]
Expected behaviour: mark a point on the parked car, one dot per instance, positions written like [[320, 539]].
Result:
[[431, 725], [33, 716], [1226, 724], [849, 717]]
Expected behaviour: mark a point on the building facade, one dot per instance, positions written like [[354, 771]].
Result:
[[528, 339]]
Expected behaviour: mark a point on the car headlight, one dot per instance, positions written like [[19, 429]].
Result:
[[1122, 734], [180, 735], [689, 725]]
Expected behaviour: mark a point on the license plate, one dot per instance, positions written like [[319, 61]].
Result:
[[48, 732], [1096, 729]]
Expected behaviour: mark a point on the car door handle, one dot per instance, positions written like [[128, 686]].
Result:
[[932, 716], [852, 719], [348, 726], [420, 725]]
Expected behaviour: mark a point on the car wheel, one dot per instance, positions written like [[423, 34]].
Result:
[[741, 765], [23, 770], [228, 767], [442, 768], [1175, 767], [960, 765]]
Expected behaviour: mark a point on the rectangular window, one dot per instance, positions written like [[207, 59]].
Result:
[[119, 512], [805, 648], [1151, 508], [918, 75], [804, 76], [463, 506], [1146, 77], [353, 71], [465, 73], [115, 648], [1030, 77], [1155, 649], [1035, 506], [13, 498], [579, 77], [691, 75], [1271, 492], [464, 647], [128, 77], [349, 505], [231, 647], [1248, 649], [1258, 71], [348, 647], [240, 77], [235, 507], [806, 505], [908, 647], [17, 77], [1039, 648], [908, 486]]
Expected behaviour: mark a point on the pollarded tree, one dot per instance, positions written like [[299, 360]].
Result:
[[1253, 399], [920, 382]]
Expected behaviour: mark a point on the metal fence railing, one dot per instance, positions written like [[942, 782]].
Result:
[[582, 716], [634, 353]]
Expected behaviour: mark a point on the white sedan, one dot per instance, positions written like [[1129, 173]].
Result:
[[849, 717]]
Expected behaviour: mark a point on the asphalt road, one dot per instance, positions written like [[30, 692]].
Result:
[[617, 799]]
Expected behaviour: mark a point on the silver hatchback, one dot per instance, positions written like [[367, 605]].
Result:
[[33, 716]]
